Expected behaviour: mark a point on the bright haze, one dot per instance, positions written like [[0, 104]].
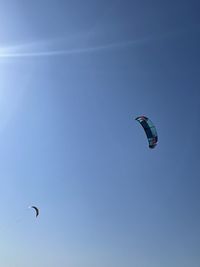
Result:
[[74, 75]]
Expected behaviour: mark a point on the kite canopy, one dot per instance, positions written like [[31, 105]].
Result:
[[149, 129], [36, 210]]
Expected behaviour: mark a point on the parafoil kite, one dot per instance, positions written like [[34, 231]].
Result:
[[149, 129], [36, 210]]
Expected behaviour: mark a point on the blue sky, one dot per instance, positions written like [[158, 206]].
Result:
[[73, 76]]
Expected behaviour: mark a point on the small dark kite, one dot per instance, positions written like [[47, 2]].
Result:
[[149, 129]]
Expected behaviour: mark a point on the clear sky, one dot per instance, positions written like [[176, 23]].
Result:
[[73, 76]]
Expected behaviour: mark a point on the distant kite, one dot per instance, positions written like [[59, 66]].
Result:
[[149, 129], [36, 210]]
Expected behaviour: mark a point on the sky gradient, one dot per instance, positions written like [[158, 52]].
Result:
[[73, 77]]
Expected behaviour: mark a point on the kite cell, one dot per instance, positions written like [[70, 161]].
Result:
[[149, 129]]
